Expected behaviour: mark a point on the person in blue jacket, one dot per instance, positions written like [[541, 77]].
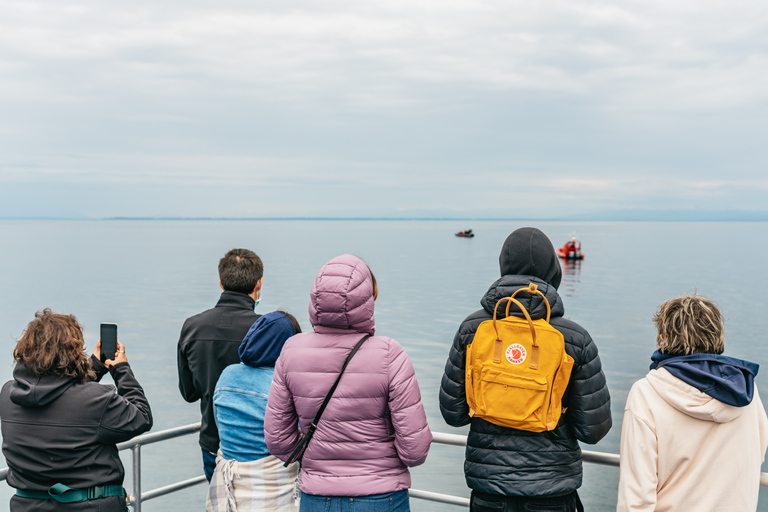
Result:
[[246, 476]]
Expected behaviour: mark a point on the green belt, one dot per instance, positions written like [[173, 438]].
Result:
[[64, 494]]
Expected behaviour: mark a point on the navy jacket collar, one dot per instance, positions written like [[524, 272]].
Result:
[[727, 379]]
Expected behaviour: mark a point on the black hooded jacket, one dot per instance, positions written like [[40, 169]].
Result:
[[509, 462], [58, 431]]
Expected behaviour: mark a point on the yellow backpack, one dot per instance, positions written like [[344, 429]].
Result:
[[517, 370]]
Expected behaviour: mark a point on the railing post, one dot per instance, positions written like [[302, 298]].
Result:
[[136, 463]]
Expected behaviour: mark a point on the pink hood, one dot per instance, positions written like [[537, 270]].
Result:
[[342, 296]]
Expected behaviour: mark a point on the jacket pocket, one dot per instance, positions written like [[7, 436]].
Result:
[[511, 397]]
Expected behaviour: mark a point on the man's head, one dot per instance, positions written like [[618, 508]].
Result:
[[691, 324], [528, 252], [240, 270]]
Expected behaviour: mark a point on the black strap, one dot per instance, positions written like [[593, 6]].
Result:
[[311, 430]]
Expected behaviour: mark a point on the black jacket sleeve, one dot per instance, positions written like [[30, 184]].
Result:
[[186, 384], [588, 401], [453, 393], [126, 413], [98, 368]]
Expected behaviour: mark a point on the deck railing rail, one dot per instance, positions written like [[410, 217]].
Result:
[[137, 497]]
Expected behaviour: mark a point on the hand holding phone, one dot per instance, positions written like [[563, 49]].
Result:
[[108, 341], [120, 357]]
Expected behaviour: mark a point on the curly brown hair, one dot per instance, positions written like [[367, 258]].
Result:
[[691, 324], [53, 344]]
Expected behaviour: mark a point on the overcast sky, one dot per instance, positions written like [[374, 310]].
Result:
[[382, 107]]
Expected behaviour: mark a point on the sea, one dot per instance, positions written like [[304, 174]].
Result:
[[148, 276]]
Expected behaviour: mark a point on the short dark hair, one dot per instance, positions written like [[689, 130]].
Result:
[[53, 345], [294, 322], [240, 270]]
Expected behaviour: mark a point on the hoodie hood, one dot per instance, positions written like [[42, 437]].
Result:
[[528, 252], [727, 379], [342, 297], [689, 400], [32, 391], [534, 304], [265, 339]]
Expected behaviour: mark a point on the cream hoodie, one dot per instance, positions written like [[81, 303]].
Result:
[[682, 450]]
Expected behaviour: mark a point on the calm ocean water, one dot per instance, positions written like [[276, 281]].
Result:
[[148, 276]]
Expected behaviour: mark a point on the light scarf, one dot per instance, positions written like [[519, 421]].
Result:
[[262, 485]]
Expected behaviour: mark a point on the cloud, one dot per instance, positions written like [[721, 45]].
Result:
[[410, 103]]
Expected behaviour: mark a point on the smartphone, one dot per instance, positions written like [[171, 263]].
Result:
[[108, 341]]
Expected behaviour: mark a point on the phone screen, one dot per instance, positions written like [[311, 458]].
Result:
[[108, 341]]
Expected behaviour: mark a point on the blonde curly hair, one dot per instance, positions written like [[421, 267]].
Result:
[[691, 324]]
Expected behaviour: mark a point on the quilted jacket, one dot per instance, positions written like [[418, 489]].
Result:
[[509, 462], [374, 427]]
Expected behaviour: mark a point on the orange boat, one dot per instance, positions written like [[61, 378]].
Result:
[[571, 250], [467, 233]]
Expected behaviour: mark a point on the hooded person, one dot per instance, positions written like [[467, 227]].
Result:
[[247, 477], [695, 432], [374, 426], [61, 427], [509, 469]]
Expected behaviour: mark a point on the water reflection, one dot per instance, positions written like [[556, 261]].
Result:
[[571, 277]]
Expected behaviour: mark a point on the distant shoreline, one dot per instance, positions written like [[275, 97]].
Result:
[[682, 218]]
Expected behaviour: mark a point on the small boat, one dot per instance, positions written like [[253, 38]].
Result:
[[467, 233], [571, 250]]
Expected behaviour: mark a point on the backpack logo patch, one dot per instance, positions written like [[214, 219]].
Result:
[[516, 353]]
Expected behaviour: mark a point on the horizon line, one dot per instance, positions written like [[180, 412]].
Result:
[[757, 217]]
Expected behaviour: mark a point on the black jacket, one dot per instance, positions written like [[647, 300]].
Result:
[[209, 343], [510, 462], [58, 431]]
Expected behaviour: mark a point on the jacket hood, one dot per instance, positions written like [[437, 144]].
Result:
[[528, 251], [342, 296], [507, 285], [265, 339], [29, 390], [727, 379], [689, 400]]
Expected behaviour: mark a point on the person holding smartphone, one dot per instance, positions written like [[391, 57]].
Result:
[[60, 427]]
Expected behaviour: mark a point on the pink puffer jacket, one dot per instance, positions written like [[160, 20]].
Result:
[[375, 425]]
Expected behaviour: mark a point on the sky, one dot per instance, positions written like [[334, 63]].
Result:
[[383, 108]]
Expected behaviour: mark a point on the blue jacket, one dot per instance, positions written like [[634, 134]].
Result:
[[240, 395], [239, 402]]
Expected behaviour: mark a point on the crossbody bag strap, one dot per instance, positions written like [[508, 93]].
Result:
[[311, 430]]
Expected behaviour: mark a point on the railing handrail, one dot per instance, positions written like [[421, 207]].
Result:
[[593, 457], [163, 435]]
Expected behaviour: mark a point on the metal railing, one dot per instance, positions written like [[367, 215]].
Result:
[[137, 497]]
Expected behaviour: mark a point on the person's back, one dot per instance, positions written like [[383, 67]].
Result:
[[695, 431], [374, 426], [239, 402], [209, 341], [60, 427], [247, 477], [505, 467]]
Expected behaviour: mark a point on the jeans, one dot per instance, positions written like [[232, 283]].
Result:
[[481, 502], [389, 502], [209, 464]]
